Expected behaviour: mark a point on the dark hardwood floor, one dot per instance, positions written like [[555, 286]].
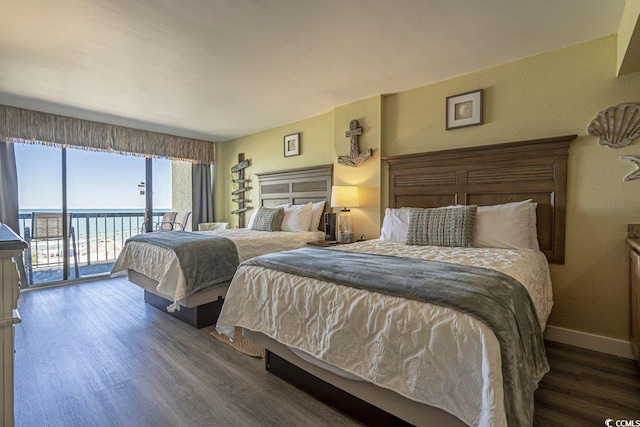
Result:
[[586, 388], [95, 355]]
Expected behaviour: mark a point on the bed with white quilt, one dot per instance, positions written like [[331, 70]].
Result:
[[187, 273], [162, 265], [438, 322]]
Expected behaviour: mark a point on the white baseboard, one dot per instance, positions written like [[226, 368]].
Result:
[[593, 342]]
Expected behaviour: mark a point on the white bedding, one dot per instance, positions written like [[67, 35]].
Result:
[[161, 264], [428, 353]]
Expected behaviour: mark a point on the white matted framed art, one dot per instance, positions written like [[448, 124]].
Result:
[[292, 145], [464, 109]]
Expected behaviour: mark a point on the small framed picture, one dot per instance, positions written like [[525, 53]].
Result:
[[292, 145], [464, 109]]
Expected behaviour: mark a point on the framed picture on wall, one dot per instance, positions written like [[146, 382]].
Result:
[[464, 110], [292, 145]]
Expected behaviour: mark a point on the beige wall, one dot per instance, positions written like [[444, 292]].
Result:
[[266, 153], [557, 93], [322, 139], [368, 112], [629, 39]]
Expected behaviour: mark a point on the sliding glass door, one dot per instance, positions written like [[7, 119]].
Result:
[[107, 208], [104, 198]]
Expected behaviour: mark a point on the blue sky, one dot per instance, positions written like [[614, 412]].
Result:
[[95, 180]]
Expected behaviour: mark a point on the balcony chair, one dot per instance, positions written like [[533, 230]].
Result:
[[166, 224], [181, 225], [47, 226]]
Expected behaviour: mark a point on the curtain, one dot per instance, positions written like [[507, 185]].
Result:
[[202, 194], [9, 196], [51, 129]]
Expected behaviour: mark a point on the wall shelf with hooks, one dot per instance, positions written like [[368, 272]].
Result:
[[238, 172]]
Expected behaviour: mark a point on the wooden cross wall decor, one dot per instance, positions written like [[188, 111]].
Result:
[[355, 157]]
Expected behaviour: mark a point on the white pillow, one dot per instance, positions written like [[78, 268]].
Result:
[[395, 225], [252, 218], [296, 217], [316, 213], [503, 226]]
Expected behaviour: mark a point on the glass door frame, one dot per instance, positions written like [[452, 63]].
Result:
[[148, 205], [65, 225]]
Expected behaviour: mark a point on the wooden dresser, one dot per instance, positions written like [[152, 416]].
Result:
[[633, 239], [11, 246]]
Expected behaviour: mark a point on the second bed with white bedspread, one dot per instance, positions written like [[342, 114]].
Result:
[[426, 352]]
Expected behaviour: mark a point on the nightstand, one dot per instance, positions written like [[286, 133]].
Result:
[[324, 243]]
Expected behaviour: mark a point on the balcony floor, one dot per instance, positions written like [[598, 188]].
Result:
[[45, 276]]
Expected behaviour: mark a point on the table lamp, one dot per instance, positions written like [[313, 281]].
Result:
[[345, 197]]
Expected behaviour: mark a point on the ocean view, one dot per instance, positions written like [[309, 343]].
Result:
[[100, 234]]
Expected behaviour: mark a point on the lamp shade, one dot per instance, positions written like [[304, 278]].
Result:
[[344, 196]]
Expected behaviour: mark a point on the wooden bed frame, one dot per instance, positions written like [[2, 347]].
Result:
[[500, 173], [297, 186], [489, 175]]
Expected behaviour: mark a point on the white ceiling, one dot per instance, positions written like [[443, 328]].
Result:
[[219, 69]]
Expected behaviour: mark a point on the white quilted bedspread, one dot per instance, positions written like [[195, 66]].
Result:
[[161, 264], [428, 353]]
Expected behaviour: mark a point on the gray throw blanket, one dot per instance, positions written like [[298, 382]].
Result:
[[496, 299], [205, 260]]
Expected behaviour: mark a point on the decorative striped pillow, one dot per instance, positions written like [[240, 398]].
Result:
[[449, 226], [268, 219]]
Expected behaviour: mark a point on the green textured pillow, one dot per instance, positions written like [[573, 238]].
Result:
[[450, 226], [268, 219]]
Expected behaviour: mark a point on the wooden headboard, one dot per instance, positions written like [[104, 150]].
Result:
[[489, 175], [296, 186]]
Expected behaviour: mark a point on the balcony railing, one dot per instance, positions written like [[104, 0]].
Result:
[[99, 239]]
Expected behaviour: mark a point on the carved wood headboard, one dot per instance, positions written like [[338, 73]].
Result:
[[296, 186], [489, 175]]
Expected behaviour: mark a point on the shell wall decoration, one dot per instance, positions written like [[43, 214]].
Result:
[[617, 126]]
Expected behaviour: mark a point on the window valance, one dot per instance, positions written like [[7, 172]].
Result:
[[52, 129]]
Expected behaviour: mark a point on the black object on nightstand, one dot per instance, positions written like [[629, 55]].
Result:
[[330, 226]]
